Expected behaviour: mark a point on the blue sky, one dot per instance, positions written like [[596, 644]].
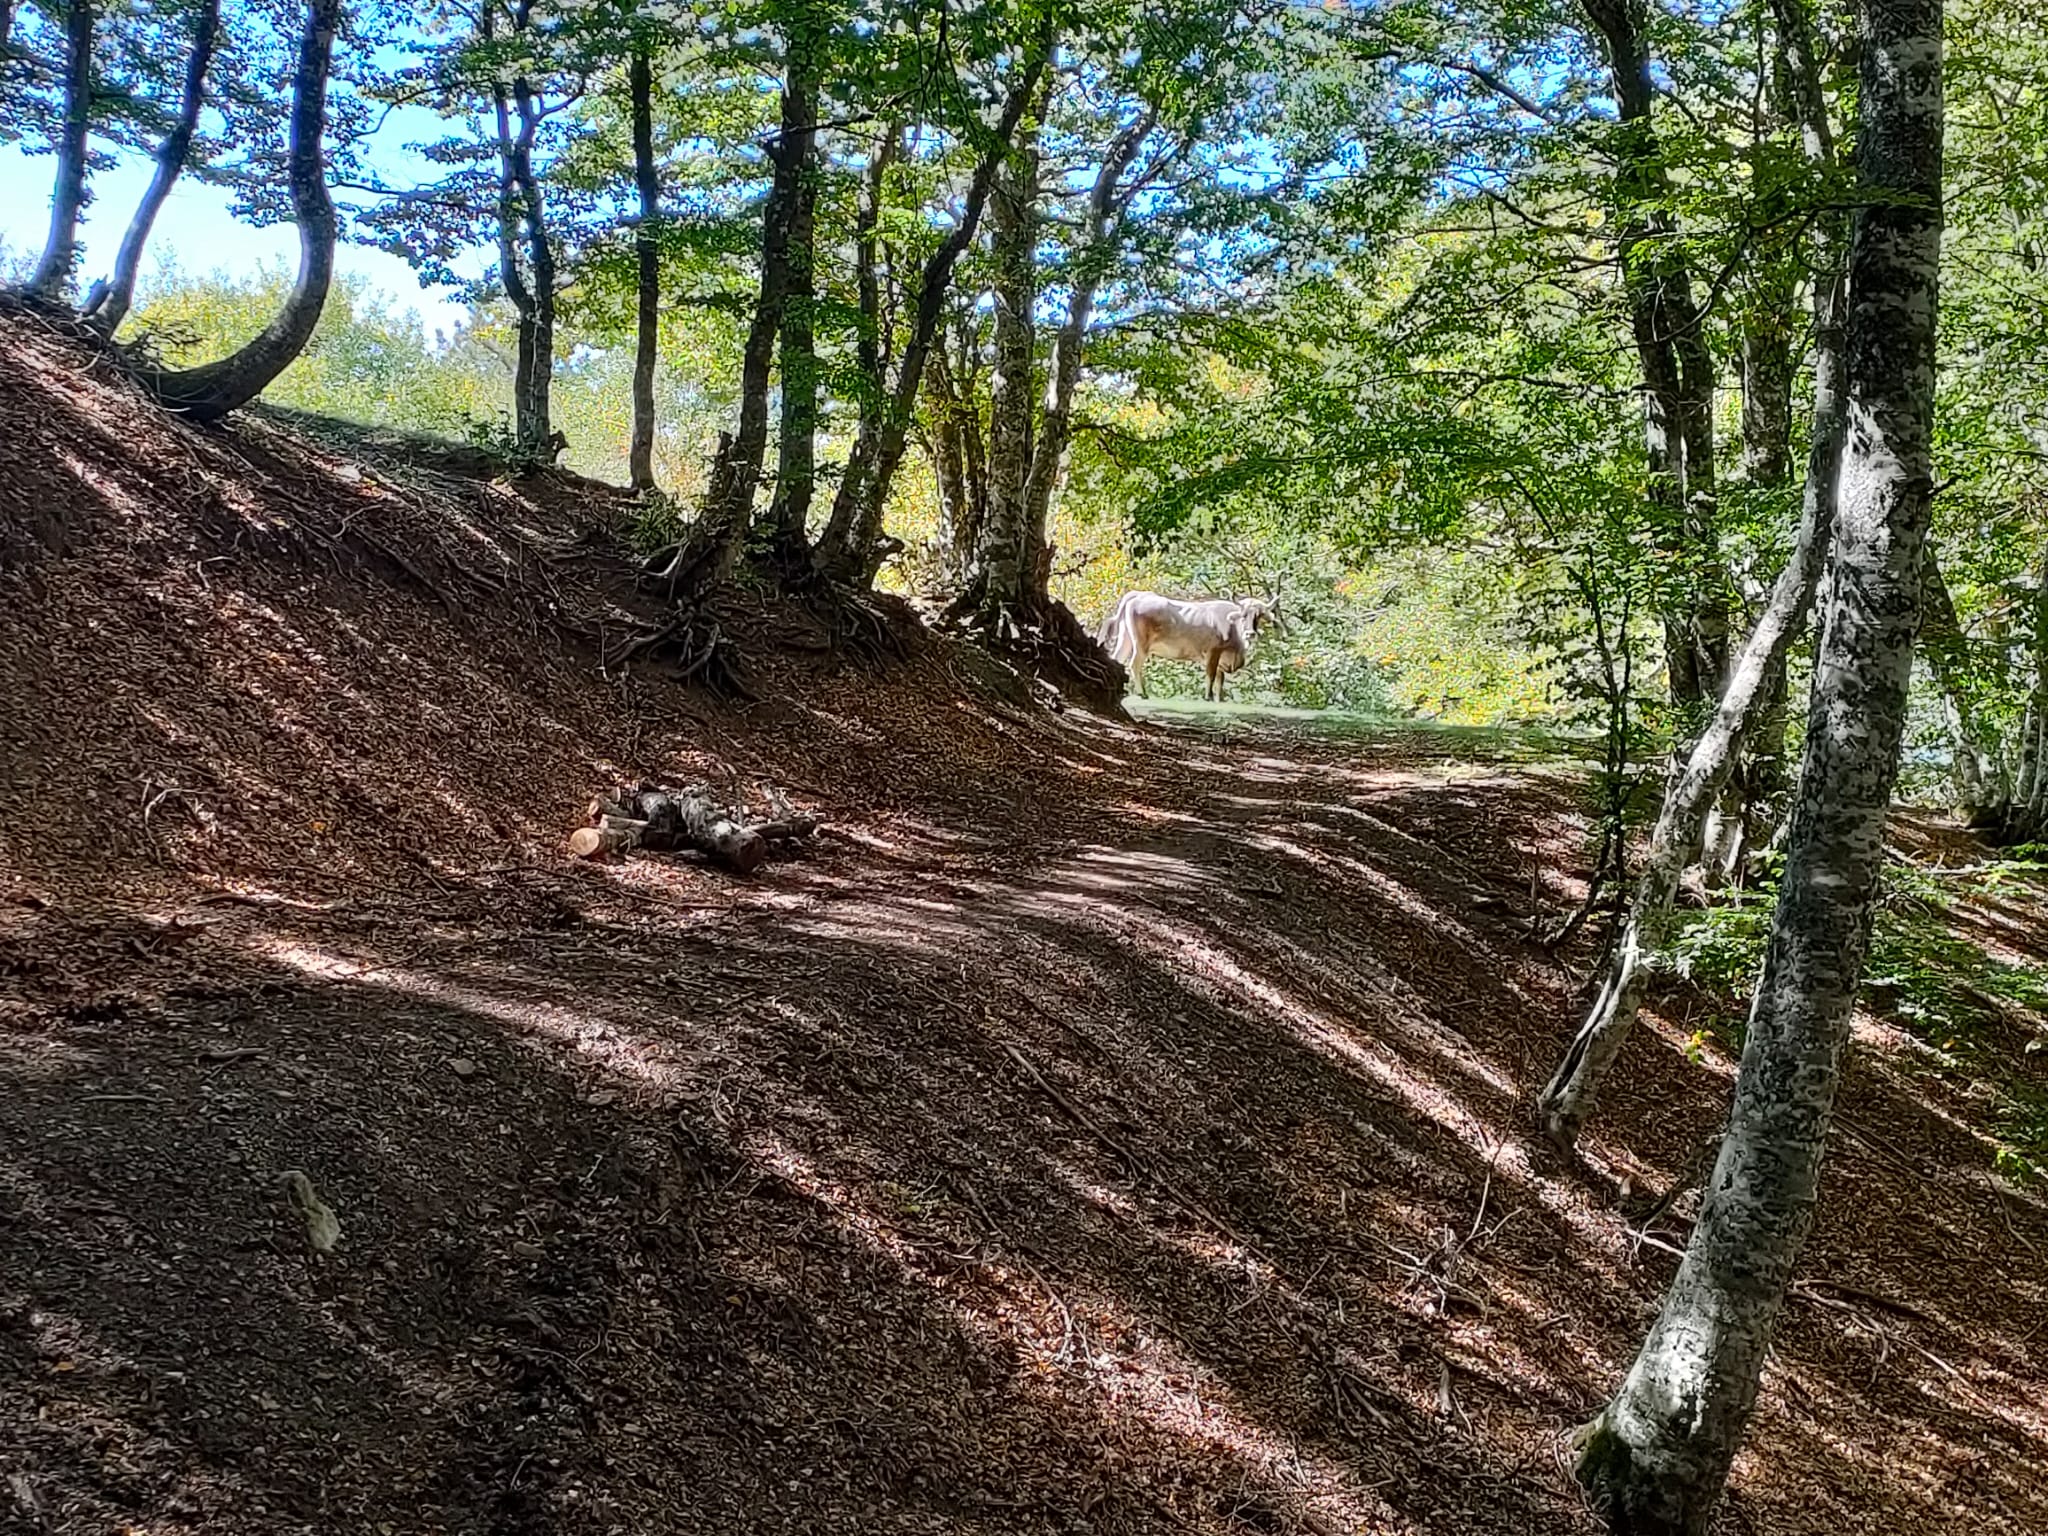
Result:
[[195, 228]]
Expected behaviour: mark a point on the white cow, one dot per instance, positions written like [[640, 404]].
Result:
[[1216, 633]]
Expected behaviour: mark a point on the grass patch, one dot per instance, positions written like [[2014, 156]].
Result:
[[1514, 743]]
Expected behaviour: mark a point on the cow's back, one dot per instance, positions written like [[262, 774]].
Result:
[[1181, 631]]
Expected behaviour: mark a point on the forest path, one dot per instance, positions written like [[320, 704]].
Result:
[[1140, 1148]]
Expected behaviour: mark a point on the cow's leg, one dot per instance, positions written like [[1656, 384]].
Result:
[[1213, 688], [1138, 666]]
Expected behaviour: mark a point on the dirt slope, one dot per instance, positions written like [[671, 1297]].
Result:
[[1104, 1129]]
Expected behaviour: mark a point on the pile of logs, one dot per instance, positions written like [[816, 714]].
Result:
[[663, 819]]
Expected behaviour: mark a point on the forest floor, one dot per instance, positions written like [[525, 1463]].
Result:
[[1105, 1126]]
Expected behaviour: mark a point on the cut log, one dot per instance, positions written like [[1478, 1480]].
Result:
[[661, 820]]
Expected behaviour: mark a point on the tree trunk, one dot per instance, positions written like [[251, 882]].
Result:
[[67, 195], [1975, 770], [796, 474], [958, 525], [870, 352], [647, 259], [706, 557], [208, 392], [1568, 1097], [107, 306], [1003, 558], [2028, 820], [1678, 371], [1769, 364], [1657, 1457], [533, 292], [846, 551], [1015, 560]]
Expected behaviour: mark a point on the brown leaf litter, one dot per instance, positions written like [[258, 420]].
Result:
[[1103, 1128]]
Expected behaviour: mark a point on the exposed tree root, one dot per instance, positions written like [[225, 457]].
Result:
[[693, 646], [1043, 636]]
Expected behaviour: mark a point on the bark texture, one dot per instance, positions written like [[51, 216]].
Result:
[[797, 467], [847, 550], [67, 193], [1756, 681], [647, 263], [1656, 1459], [210, 391]]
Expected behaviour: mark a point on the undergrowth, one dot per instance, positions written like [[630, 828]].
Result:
[[1955, 999]]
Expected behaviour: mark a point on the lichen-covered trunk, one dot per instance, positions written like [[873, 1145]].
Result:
[[1003, 560], [1755, 680], [959, 522], [108, 304], [211, 390], [1656, 1459], [1975, 770], [67, 192], [846, 551], [796, 471], [647, 270]]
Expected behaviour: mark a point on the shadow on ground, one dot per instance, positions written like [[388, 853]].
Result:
[[1167, 1174]]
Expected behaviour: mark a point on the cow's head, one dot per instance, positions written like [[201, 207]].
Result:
[[1258, 613]]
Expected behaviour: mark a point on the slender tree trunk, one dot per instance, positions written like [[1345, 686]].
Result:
[[67, 195], [107, 306], [1568, 1097], [1657, 1457], [210, 391], [869, 352], [1012, 564], [1975, 769], [846, 551], [1003, 559], [647, 259], [1768, 365], [528, 274], [2028, 820], [1677, 367], [705, 559], [958, 525], [796, 473]]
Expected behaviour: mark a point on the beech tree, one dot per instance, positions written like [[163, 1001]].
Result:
[[213, 389], [1759, 670], [1656, 1458], [851, 545], [107, 305]]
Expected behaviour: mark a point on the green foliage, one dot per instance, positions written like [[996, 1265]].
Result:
[[367, 361], [1927, 974]]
